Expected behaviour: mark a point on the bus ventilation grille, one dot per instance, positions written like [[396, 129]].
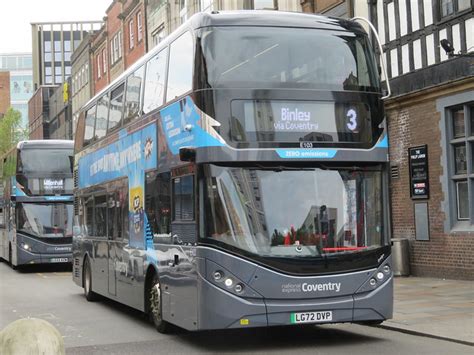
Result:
[[76, 179], [76, 267], [394, 172]]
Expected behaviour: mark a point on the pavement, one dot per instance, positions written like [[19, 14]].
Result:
[[437, 308]]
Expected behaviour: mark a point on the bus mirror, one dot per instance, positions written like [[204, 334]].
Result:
[[187, 154]]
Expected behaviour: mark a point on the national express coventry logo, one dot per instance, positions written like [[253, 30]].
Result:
[[311, 287]]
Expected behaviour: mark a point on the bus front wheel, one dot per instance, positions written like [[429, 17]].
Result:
[[10, 257], [91, 296], [156, 307]]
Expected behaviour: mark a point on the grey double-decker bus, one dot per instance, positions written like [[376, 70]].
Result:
[[236, 176], [36, 202]]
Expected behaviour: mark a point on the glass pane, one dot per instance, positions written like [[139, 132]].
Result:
[[460, 159], [155, 82], [332, 211], [463, 4], [463, 200], [100, 216], [102, 114], [263, 4], [471, 114], [181, 67], [458, 124], [45, 220], [447, 7], [264, 57], [116, 107], [46, 162], [90, 123], [132, 97]]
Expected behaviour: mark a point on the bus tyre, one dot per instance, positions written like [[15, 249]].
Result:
[[155, 307], [10, 258], [91, 296]]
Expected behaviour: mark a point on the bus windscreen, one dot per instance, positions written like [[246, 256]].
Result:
[[41, 161], [294, 58]]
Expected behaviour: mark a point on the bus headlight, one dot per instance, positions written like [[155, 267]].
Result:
[[373, 282], [25, 246], [239, 288], [228, 282], [386, 269], [380, 276]]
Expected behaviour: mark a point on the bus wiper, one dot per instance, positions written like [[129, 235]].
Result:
[[280, 168]]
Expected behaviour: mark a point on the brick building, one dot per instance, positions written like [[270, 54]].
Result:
[[4, 92], [120, 41], [432, 108]]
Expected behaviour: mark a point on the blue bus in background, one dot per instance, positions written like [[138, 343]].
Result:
[[236, 176], [36, 203]]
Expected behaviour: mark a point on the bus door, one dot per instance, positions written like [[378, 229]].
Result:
[[100, 265], [181, 260]]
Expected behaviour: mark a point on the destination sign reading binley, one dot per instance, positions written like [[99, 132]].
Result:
[[418, 164]]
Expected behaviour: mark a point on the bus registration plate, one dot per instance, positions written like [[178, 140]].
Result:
[[311, 317], [59, 260]]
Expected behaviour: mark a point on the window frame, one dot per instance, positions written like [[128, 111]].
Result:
[[447, 107], [131, 35], [139, 27], [99, 71]]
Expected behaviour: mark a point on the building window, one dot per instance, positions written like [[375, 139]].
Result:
[[206, 5], [98, 67], [264, 5], [116, 48], [131, 34], [158, 35], [104, 61], [183, 13], [461, 153], [450, 7], [139, 27]]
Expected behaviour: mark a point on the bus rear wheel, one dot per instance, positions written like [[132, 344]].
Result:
[[156, 307], [91, 296]]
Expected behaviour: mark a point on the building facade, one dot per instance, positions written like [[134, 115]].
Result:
[[4, 92], [431, 125], [53, 45], [119, 43], [38, 112], [21, 81], [60, 121], [164, 16], [82, 87]]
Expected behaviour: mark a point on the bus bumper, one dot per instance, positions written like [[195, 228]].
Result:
[[25, 257], [229, 311], [33, 251]]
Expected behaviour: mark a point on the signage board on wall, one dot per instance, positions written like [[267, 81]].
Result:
[[418, 164]]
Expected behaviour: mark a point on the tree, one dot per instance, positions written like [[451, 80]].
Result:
[[11, 131]]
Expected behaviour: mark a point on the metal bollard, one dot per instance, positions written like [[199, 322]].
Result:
[[401, 256], [31, 336]]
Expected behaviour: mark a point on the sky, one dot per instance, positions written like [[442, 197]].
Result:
[[16, 16]]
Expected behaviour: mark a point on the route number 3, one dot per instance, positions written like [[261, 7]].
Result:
[[352, 116]]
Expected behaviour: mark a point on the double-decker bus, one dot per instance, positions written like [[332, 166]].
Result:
[[36, 202], [236, 176]]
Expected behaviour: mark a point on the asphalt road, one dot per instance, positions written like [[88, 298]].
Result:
[[106, 327]]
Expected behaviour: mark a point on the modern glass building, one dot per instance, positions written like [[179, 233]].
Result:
[[20, 66]]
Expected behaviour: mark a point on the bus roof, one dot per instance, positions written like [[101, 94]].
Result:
[[46, 143], [262, 18]]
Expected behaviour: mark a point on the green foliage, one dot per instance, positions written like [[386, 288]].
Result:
[[11, 131]]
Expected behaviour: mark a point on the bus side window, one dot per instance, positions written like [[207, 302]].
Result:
[[133, 94], [100, 214], [102, 116], [112, 215], [158, 202], [90, 126], [180, 73], [116, 107], [1, 218], [155, 82], [124, 203], [183, 198], [89, 215]]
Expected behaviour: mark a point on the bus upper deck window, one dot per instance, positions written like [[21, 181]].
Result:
[[180, 72], [133, 94], [101, 116], [155, 82], [90, 126], [116, 107]]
